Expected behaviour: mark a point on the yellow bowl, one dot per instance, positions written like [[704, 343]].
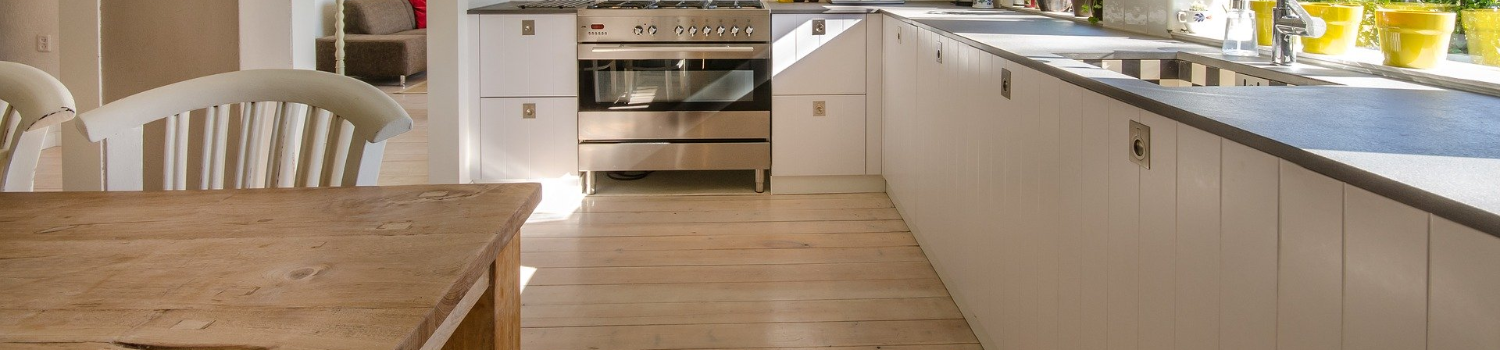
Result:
[[1343, 27], [1482, 27], [1262, 21], [1414, 38]]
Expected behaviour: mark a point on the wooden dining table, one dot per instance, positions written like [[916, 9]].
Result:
[[401, 267]]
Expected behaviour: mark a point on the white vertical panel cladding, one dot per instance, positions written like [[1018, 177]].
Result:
[[804, 144], [1198, 227], [1124, 230], [1158, 245], [829, 64], [1095, 162], [1047, 242], [518, 148], [1385, 273], [1069, 228], [1029, 236], [1311, 269], [990, 188], [1464, 307], [547, 67], [1247, 272], [874, 94]]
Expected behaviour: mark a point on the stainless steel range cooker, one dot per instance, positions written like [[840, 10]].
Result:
[[674, 85]]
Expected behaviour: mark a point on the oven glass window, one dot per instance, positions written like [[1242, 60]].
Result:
[[671, 84]]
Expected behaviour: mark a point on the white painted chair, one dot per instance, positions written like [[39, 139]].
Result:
[[247, 129], [30, 101]]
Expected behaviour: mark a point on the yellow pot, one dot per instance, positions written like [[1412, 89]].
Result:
[[1482, 27], [1343, 27], [1262, 21], [1414, 38]]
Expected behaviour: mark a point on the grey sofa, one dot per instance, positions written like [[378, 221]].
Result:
[[381, 41]]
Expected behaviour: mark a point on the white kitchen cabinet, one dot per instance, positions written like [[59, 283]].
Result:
[[1385, 273], [1464, 312], [515, 146], [530, 55], [899, 105], [1124, 231], [804, 143], [1311, 263], [1248, 249], [1158, 236], [809, 60]]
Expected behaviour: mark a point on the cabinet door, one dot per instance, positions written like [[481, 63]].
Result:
[[899, 99], [806, 144], [808, 63], [513, 146], [517, 64]]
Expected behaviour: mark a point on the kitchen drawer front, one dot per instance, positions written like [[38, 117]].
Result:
[[617, 126], [674, 156]]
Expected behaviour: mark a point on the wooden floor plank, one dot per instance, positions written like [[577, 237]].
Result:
[[714, 229], [741, 203], [689, 292], [735, 197], [765, 241], [881, 347], [758, 311], [732, 273], [771, 215], [933, 332], [722, 257]]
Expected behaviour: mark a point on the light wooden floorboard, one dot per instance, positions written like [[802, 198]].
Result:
[[734, 272]]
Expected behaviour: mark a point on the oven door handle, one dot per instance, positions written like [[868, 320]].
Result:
[[656, 52], [633, 49]]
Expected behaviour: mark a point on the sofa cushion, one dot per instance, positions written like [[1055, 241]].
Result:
[[422, 32], [378, 16], [380, 56], [419, 9]]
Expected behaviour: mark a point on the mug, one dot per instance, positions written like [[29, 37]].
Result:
[[1195, 21]]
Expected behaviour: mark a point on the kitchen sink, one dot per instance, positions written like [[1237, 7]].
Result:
[[1180, 69]]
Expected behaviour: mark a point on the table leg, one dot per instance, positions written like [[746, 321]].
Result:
[[508, 296]]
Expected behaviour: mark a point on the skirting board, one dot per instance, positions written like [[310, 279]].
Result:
[[827, 184]]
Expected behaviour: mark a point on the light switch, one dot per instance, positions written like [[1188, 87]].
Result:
[[820, 108]]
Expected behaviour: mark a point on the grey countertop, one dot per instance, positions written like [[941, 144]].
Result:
[[1435, 150]]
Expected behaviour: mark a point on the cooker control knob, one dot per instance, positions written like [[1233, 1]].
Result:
[[734, 31], [721, 30], [693, 31], [680, 30], [707, 30], [651, 30], [749, 30], [639, 30]]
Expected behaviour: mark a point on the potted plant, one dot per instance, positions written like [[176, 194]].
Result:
[[1097, 6], [1081, 8], [1415, 34], [1481, 27], [1343, 20]]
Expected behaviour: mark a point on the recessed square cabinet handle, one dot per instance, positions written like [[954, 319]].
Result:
[[528, 111], [820, 108], [528, 27], [819, 27], [898, 34]]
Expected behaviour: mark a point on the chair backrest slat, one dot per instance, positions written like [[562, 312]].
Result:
[[254, 129]]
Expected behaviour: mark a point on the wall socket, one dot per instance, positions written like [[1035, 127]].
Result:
[[820, 108], [44, 43]]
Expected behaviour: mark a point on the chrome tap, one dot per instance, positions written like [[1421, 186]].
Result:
[[1289, 20]]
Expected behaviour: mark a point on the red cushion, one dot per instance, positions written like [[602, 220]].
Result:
[[419, 7]]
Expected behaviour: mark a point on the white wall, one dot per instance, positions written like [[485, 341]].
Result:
[[283, 33], [21, 21]]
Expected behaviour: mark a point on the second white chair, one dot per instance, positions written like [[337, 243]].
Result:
[[247, 129], [30, 101]]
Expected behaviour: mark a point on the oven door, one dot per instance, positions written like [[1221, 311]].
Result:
[[673, 77]]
